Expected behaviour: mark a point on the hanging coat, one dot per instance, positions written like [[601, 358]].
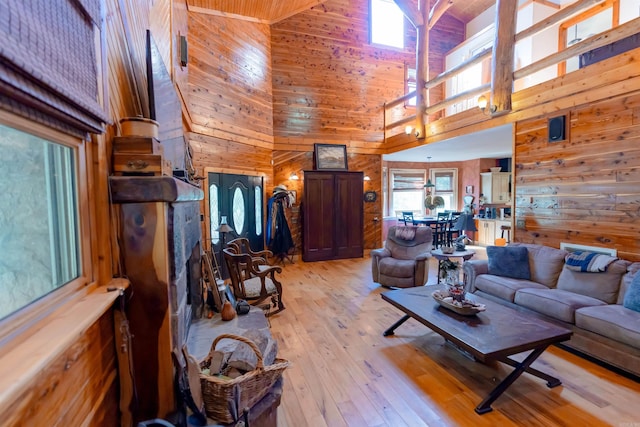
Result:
[[282, 241]]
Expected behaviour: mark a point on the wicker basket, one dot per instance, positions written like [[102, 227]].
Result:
[[225, 399]]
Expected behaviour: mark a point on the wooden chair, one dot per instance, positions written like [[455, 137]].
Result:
[[252, 284], [407, 217], [440, 229], [261, 258], [451, 233]]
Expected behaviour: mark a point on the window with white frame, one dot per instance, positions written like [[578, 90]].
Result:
[[410, 85], [386, 23], [39, 215], [407, 191], [446, 186]]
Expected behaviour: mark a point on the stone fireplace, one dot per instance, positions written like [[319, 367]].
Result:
[[160, 244]]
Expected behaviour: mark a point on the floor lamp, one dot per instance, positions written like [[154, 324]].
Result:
[[464, 223]]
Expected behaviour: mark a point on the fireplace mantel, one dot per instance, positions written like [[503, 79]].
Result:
[[140, 189]]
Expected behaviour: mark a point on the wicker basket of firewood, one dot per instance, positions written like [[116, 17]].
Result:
[[226, 398]]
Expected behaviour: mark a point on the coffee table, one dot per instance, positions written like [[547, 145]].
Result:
[[493, 334]]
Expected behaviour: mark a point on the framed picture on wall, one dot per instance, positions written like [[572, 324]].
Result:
[[330, 157], [469, 189]]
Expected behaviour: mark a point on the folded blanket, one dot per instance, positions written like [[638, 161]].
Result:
[[406, 233], [589, 262]]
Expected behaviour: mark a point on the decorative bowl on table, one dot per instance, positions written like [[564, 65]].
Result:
[[448, 249], [496, 169], [464, 307]]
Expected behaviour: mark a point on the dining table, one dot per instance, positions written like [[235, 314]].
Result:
[[428, 221]]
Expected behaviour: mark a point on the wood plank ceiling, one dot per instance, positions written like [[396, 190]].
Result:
[[272, 11], [265, 11]]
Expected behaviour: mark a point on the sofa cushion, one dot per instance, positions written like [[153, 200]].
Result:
[[613, 321], [545, 263], [509, 261], [503, 287], [555, 303], [632, 297], [603, 286]]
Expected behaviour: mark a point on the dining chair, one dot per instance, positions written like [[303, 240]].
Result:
[[407, 217], [440, 229], [452, 233]]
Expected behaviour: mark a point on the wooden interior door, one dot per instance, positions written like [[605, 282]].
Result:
[[319, 216]]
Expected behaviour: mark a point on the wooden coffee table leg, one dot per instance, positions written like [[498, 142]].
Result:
[[551, 381], [521, 367], [395, 325]]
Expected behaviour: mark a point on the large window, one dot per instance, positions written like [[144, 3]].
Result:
[[39, 218], [387, 24], [407, 191], [446, 186]]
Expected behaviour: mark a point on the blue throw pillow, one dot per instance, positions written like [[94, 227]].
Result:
[[632, 297], [509, 261]]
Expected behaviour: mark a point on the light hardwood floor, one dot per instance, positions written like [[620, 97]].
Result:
[[345, 373]]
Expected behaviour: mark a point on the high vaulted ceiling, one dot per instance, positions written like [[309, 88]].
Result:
[[266, 11], [272, 11]]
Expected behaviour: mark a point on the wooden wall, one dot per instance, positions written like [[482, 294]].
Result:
[[330, 84], [286, 162], [585, 189], [81, 386], [230, 80]]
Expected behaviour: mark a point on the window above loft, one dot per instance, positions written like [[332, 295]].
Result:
[[386, 24]]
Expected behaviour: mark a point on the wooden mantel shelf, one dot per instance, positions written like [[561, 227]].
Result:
[[140, 189]]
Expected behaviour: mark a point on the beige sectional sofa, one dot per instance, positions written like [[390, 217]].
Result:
[[589, 303]]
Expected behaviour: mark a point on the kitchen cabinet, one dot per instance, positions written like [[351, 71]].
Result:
[[496, 187], [486, 232], [333, 215], [489, 230]]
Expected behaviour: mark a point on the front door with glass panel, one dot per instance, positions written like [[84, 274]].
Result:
[[236, 200]]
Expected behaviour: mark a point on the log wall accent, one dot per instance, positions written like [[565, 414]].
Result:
[[230, 79], [585, 189]]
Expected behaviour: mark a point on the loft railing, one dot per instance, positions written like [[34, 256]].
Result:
[[401, 118]]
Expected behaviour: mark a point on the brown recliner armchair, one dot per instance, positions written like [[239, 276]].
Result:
[[404, 260]]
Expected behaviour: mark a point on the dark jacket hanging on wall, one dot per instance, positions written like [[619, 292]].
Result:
[[278, 233]]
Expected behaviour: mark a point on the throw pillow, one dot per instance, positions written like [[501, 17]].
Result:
[[509, 261], [632, 297]]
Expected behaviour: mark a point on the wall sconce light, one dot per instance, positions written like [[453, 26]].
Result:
[[482, 104], [408, 130], [367, 178], [293, 176]]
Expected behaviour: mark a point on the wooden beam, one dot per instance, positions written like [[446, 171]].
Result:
[[411, 12], [475, 59], [422, 71], [438, 10], [559, 16], [503, 53], [602, 39], [471, 93]]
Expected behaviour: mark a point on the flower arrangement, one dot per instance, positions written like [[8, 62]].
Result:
[[447, 266]]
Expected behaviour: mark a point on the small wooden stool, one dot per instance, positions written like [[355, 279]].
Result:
[[506, 228]]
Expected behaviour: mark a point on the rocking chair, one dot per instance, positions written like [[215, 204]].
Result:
[[253, 284]]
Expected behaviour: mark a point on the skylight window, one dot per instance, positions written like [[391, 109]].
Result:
[[387, 24]]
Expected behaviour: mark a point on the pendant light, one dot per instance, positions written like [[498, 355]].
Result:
[[429, 185], [576, 39]]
